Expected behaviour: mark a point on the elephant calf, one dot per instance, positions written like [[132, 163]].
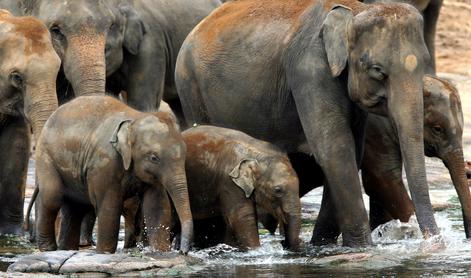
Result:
[[382, 162], [97, 151], [229, 173]]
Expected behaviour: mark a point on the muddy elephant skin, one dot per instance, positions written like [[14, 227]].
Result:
[[28, 73], [230, 173], [97, 151], [301, 73]]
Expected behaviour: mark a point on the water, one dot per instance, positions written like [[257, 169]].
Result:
[[388, 257]]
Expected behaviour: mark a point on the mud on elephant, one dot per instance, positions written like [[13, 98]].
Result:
[[28, 72], [97, 151], [305, 85], [229, 174]]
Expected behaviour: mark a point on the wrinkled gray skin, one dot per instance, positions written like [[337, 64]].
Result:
[[28, 70], [301, 86], [119, 44], [230, 173], [382, 162], [97, 151]]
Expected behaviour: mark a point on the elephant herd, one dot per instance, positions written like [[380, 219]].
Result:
[[267, 99]]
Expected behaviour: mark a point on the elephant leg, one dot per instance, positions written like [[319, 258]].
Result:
[[48, 203], [131, 221], [157, 211], [14, 156], [241, 219], [378, 215], [382, 179], [268, 221], [326, 230], [431, 14], [86, 229], [146, 76], [388, 191], [71, 220], [332, 142]]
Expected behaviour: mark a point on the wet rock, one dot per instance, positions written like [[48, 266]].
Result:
[[42, 262], [356, 261], [396, 230], [74, 262]]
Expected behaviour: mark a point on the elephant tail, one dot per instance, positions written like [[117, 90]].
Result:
[[26, 226]]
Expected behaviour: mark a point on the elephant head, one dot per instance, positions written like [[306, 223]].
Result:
[[90, 37], [275, 187], [28, 70], [154, 151], [443, 131], [382, 48]]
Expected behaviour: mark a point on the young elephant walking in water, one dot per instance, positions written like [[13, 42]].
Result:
[[96, 150], [229, 173]]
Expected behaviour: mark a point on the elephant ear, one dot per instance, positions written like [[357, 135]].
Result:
[[121, 141], [244, 175], [335, 36], [134, 30]]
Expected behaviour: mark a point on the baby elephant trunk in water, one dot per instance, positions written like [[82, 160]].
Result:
[[177, 188], [454, 162]]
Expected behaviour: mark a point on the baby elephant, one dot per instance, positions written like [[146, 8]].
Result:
[[382, 162], [97, 151], [229, 173]]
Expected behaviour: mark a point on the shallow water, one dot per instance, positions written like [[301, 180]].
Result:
[[388, 257]]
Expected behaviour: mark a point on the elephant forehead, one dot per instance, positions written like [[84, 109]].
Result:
[[32, 30]]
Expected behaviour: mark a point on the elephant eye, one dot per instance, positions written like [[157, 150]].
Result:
[[376, 72], [437, 129], [154, 158], [56, 32], [278, 190], [16, 79]]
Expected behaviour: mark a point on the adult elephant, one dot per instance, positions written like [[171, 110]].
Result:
[[301, 73], [121, 44], [28, 71]]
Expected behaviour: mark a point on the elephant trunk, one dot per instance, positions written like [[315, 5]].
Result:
[[405, 105], [84, 64], [292, 223], [177, 188], [455, 163], [40, 102]]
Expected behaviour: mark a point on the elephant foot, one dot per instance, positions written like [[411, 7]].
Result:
[[86, 242], [359, 237], [321, 240]]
